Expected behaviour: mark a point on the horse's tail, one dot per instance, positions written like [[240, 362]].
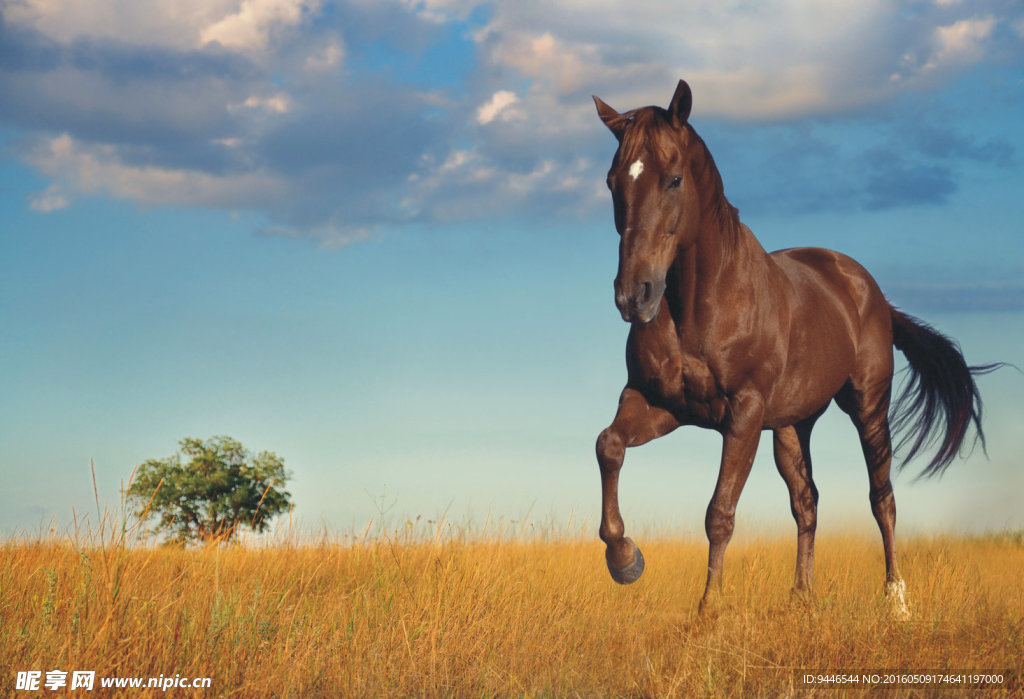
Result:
[[940, 399]]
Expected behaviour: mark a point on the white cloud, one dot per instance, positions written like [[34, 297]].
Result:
[[962, 42], [456, 160], [770, 60], [100, 170], [561, 64], [497, 106], [52, 199], [438, 11], [467, 183], [249, 28], [948, 49], [169, 23], [330, 235], [240, 25], [328, 58], [279, 103]]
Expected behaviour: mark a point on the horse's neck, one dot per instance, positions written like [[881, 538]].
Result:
[[722, 265]]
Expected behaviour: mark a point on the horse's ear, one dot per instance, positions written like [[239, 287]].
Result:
[[681, 103], [611, 118]]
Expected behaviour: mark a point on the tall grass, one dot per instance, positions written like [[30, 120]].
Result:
[[425, 610]]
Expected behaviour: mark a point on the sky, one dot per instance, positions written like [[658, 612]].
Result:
[[374, 238]]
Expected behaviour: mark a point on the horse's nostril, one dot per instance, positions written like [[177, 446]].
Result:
[[645, 293]]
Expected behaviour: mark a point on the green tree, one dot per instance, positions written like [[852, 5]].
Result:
[[210, 489]]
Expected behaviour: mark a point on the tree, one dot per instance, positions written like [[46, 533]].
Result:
[[220, 488]]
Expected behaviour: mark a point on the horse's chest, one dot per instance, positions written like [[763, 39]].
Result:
[[679, 380]]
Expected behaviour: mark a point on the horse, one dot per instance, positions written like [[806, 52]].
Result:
[[726, 336]]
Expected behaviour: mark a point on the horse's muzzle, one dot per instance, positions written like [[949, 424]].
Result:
[[640, 303]]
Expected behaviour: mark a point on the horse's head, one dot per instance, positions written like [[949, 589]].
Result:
[[654, 196]]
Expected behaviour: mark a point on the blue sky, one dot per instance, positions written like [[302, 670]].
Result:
[[375, 239]]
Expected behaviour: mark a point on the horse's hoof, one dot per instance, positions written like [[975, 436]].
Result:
[[801, 595], [629, 573], [710, 604], [896, 592]]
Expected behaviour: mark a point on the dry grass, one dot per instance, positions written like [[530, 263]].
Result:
[[418, 614]]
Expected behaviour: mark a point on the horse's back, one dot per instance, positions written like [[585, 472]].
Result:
[[827, 281]]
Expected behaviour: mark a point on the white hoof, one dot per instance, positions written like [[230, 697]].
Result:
[[896, 591]]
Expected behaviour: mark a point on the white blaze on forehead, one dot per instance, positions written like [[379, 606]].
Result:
[[636, 168]]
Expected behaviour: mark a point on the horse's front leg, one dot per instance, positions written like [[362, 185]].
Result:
[[738, 449], [635, 423]]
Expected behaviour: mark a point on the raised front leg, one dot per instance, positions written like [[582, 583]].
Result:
[[738, 449], [636, 422]]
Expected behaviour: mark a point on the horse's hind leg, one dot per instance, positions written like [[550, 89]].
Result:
[[635, 423], [793, 459], [868, 407]]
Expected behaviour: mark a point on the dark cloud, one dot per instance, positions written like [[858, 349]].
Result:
[[900, 155], [125, 62], [957, 297], [944, 143], [778, 167], [891, 181], [112, 92], [26, 49], [369, 133]]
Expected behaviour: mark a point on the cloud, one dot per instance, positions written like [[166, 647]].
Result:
[[330, 235], [249, 28], [774, 63], [440, 11], [334, 120], [890, 181], [240, 25], [920, 297], [963, 41], [468, 184], [109, 91], [329, 58], [278, 103], [497, 106], [558, 63], [52, 199], [778, 59], [948, 48], [101, 170], [179, 124], [156, 23]]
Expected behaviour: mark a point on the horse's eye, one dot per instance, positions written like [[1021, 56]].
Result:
[[675, 182]]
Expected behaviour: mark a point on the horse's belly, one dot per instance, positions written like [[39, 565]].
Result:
[[806, 386]]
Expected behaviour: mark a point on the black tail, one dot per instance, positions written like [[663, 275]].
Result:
[[940, 400]]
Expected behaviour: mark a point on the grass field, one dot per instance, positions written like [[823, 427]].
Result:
[[420, 611]]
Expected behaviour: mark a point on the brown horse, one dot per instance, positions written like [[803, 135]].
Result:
[[728, 337]]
